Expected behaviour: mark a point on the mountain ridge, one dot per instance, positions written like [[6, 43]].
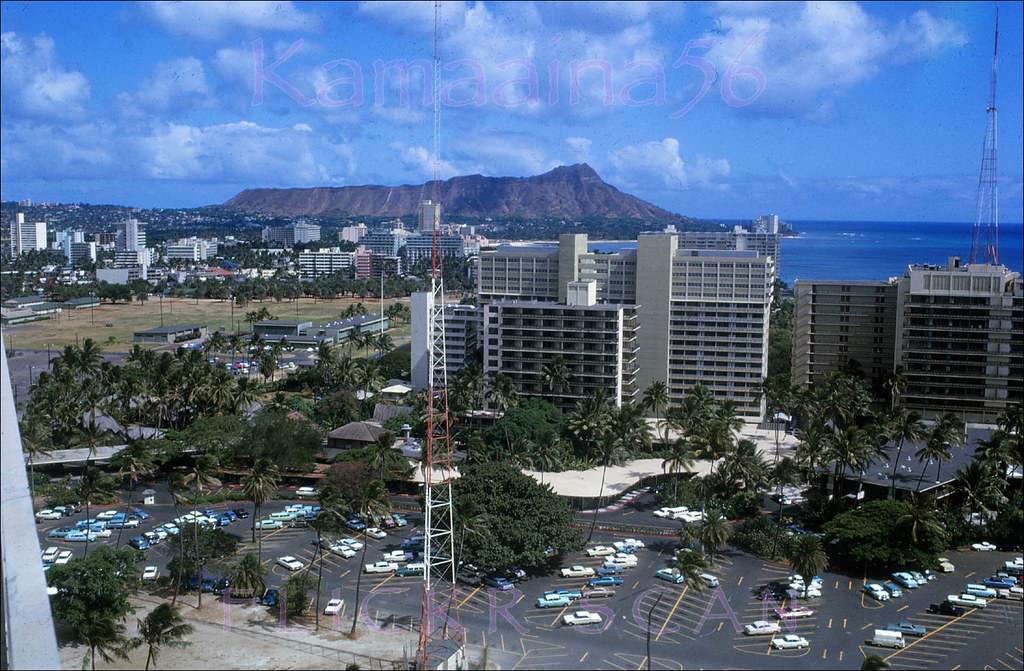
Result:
[[573, 192]]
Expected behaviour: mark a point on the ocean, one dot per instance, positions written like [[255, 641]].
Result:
[[877, 250]]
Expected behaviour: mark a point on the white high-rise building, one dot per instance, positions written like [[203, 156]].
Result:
[[430, 215], [313, 264], [352, 234], [131, 235], [27, 237]]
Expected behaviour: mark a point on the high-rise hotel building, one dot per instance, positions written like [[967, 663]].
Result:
[[686, 316]]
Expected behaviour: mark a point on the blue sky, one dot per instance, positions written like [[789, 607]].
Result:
[[870, 111]]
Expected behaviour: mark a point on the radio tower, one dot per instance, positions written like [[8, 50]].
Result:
[[438, 553], [987, 213]]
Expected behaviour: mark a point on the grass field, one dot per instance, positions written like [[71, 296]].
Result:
[[112, 326]]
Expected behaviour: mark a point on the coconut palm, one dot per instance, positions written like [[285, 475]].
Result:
[[807, 556], [978, 483], [259, 485], [945, 433], [200, 477], [331, 518], [690, 565], [162, 627], [679, 459], [656, 400], [384, 458], [35, 442], [744, 466], [104, 636], [368, 501], [91, 488], [713, 532], [904, 425], [922, 518], [502, 393], [247, 577], [133, 462], [555, 374]]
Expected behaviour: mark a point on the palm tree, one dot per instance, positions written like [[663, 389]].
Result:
[[713, 532], [680, 459], [368, 501], [384, 343], [946, 432], [235, 344], [176, 487], [745, 466], [246, 393], [331, 518], [979, 485], [656, 400], [248, 576], [103, 635], [133, 462], [259, 486], [904, 425], [783, 473], [162, 627], [201, 476], [807, 556], [690, 565], [216, 343], [91, 488], [35, 441], [555, 374], [381, 455], [922, 517], [502, 393]]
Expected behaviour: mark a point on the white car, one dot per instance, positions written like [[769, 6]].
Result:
[[150, 573], [691, 516], [621, 559], [48, 515], [290, 563], [64, 557], [374, 532], [793, 613], [107, 515], [709, 580], [578, 571], [102, 533], [333, 606], [630, 543], [581, 617], [397, 556], [876, 591], [761, 628], [1012, 593], [49, 554], [381, 567], [984, 546], [305, 491], [789, 642], [352, 543], [967, 601], [945, 565], [600, 551], [343, 550], [670, 513]]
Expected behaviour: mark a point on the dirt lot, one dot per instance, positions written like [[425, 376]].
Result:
[[248, 637], [125, 319]]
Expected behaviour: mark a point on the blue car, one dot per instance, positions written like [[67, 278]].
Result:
[[270, 598], [224, 520], [140, 513], [998, 582], [609, 570], [572, 594], [893, 589], [605, 581], [355, 525], [139, 543], [497, 582], [60, 532]]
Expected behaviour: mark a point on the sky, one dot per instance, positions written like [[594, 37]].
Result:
[[848, 111]]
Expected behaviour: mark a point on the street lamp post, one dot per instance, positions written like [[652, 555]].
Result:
[[650, 616]]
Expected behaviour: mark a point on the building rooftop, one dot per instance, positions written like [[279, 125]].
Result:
[[172, 328]]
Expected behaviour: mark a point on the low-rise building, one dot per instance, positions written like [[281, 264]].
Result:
[[173, 333]]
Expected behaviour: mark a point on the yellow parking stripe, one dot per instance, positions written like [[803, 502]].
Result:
[[671, 613]]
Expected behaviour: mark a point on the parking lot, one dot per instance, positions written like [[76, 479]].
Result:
[[699, 628]]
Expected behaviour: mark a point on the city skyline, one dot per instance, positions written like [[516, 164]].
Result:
[[810, 110]]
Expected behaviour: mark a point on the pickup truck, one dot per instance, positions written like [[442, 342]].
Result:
[[907, 628], [577, 571]]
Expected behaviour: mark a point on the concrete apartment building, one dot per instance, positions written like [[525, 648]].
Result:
[[429, 216], [702, 314], [596, 341], [352, 234], [298, 233], [190, 249], [27, 237], [764, 243], [421, 246], [313, 264], [462, 326], [960, 339], [843, 323]]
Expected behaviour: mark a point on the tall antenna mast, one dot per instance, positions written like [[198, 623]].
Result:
[[438, 551], [987, 211]]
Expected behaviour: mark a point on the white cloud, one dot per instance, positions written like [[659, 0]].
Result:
[[809, 53], [654, 165], [579, 148], [35, 84], [176, 85], [420, 162], [212, 20]]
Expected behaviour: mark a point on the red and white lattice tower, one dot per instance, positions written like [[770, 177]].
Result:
[[438, 552], [987, 213]]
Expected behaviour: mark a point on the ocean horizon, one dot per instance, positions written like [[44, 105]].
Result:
[[878, 250]]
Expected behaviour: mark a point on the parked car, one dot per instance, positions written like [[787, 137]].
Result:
[[671, 575], [399, 556], [967, 601], [907, 628], [577, 571], [309, 492], [1000, 582], [381, 567], [498, 582], [333, 606], [893, 589], [581, 617], [415, 569], [790, 642], [80, 536], [470, 578], [621, 559], [905, 580], [1011, 593], [139, 543], [761, 627], [793, 613], [150, 573], [629, 543], [106, 515], [946, 608], [400, 520], [242, 513], [353, 543], [374, 532], [269, 524], [290, 563], [983, 546], [63, 557], [945, 565], [609, 570], [48, 515], [49, 554], [919, 578], [60, 532], [876, 591], [600, 551], [270, 597], [982, 591], [552, 601], [670, 512], [605, 581], [712, 581], [571, 594], [342, 550], [139, 512], [598, 593]]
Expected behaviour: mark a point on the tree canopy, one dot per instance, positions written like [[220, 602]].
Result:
[[518, 518], [879, 534], [93, 588]]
